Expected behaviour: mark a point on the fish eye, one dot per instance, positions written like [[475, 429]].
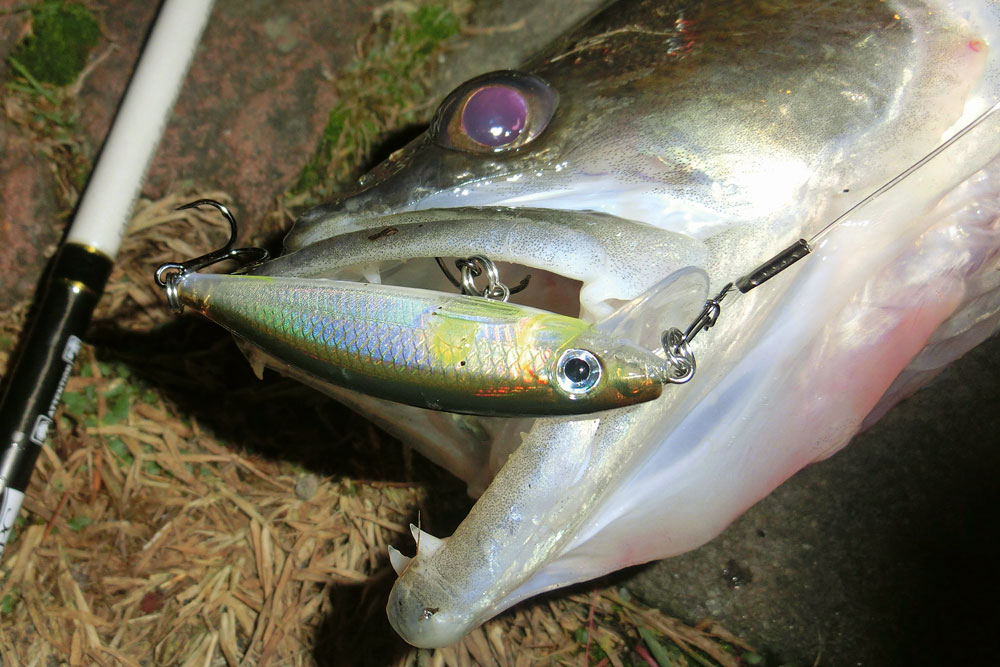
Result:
[[494, 116], [494, 112], [578, 371]]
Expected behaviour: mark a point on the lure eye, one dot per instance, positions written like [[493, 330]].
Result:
[[578, 371], [495, 112]]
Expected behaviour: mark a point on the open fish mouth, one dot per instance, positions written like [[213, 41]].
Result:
[[607, 260], [562, 500], [633, 279], [662, 154]]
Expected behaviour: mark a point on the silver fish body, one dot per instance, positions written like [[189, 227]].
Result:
[[723, 129]]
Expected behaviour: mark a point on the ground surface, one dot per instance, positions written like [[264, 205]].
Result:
[[875, 557]]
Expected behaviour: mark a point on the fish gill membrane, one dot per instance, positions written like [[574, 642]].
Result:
[[717, 133]]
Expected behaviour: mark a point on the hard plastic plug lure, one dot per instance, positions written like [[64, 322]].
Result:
[[429, 349]]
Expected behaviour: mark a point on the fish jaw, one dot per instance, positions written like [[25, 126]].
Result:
[[614, 259], [791, 371], [578, 499]]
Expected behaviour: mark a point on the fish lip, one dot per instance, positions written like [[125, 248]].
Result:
[[417, 172], [433, 628]]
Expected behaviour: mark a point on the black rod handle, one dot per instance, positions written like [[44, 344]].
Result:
[[44, 360]]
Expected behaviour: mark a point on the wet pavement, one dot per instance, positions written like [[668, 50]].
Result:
[[879, 556]]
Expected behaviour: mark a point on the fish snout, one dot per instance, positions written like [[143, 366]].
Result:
[[418, 616]]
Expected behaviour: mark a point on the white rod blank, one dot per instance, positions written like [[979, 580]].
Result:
[[115, 183]]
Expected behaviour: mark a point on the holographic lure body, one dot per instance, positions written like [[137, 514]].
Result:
[[430, 349]]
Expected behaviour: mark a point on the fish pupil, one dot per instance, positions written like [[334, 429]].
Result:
[[494, 115], [577, 370]]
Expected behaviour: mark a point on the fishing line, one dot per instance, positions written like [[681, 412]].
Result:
[[676, 343]]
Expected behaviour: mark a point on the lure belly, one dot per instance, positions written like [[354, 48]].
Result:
[[430, 349]]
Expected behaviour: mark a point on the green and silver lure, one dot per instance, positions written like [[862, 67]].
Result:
[[430, 349], [434, 350]]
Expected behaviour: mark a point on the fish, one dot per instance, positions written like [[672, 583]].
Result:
[[464, 354], [707, 135]]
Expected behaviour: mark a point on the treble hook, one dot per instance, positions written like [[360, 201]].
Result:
[[167, 275], [471, 268]]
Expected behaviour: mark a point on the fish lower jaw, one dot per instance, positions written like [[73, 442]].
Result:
[[420, 622]]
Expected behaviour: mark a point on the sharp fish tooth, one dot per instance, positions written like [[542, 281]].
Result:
[[427, 544], [398, 561], [372, 274]]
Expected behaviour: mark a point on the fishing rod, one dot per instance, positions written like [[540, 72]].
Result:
[[77, 274]]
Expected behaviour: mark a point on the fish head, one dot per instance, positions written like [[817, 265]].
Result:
[[578, 129], [635, 168]]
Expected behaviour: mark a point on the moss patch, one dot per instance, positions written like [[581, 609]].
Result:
[[380, 91], [37, 99], [61, 39]]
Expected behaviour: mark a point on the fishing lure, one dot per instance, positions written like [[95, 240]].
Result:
[[430, 349]]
